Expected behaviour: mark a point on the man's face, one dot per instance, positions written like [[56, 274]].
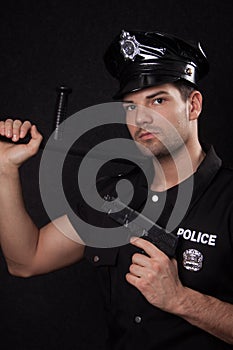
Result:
[[158, 118]]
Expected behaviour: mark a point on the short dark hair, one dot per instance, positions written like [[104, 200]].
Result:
[[184, 88]]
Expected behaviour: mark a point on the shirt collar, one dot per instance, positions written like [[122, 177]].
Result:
[[197, 184], [189, 191], [206, 172]]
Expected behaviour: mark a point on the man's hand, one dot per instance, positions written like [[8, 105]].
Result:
[[13, 155], [155, 276]]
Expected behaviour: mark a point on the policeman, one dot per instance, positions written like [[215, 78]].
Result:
[[147, 65], [152, 300]]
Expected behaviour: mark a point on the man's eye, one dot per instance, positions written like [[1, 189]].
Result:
[[130, 107], [158, 101]]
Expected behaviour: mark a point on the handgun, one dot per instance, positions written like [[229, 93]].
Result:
[[140, 225]]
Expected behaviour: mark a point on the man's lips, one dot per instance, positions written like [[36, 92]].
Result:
[[146, 136]]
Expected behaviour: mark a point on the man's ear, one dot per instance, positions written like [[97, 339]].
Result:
[[195, 104]]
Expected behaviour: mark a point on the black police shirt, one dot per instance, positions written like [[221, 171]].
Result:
[[204, 256]]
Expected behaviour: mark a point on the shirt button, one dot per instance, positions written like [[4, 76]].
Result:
[[138, 319], [96, 258], [155, 198]]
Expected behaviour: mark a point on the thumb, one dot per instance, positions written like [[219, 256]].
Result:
[[36, 139]]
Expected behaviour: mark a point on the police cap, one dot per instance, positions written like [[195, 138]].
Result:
[[143, 59]]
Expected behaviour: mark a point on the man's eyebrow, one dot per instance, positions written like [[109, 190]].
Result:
[[124, 101], [150, 96], [157, 93]]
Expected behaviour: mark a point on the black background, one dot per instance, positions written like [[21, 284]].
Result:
[[45, 44]]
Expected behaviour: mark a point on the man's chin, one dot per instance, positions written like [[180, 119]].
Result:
[[146, 151], [149, 149]]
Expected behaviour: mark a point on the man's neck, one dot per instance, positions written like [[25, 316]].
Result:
[[170, 170]]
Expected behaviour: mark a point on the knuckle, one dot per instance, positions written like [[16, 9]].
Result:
[[150, 276], [142, 284], [154, 266]]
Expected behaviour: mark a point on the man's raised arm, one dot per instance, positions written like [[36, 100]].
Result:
[[27, 250]]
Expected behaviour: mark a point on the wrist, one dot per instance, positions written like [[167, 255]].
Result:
[[189, 301], [183, 303], [9, 170]]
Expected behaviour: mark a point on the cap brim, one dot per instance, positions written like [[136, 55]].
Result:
[[143, 82]]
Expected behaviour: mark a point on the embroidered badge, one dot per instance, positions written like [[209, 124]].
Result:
[[129, 46], [192, 259]]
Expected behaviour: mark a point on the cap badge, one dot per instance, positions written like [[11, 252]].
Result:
[[192, 259], [189, 71], [129, 46]]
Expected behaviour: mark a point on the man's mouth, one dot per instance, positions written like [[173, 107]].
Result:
[[146, 136]]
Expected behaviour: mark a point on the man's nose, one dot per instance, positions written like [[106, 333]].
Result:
[[143, 116]]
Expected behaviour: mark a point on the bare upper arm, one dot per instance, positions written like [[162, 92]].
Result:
[[58, 246]]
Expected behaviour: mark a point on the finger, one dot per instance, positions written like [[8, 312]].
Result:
[[16, 129], [136, 270], [25, 128], [132, 279], [147, 246], [2, 128], [8, 132], [141, 259]]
